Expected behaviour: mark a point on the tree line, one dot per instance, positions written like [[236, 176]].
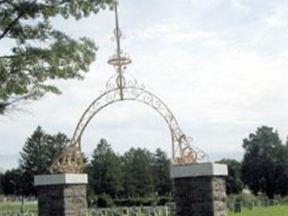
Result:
[[264, 167], [139, 173], [136, 173]]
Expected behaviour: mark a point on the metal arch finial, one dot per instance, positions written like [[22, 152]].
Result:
[[119, 60]]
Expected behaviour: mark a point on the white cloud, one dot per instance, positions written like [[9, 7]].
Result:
[[211, 4], [277, 18], [240, 4], [207, 3], [171, 32]]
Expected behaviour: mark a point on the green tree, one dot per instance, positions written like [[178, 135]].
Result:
[[138, 173], [282, 170], [163, 183], [38, 154], [234, 184], [39, 52], [13, 183], [263, 161], [1, 182], [105, 171]]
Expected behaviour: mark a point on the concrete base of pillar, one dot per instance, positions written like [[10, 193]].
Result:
[[61, 194], [200, 189]]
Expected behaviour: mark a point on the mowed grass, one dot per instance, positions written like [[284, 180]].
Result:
[[15, 206], [264, 211]]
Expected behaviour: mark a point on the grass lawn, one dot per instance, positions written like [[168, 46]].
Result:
[[268, 211], [12, 206]]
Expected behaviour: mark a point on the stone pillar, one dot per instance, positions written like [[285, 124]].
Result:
[[200, 189], [61, 194]]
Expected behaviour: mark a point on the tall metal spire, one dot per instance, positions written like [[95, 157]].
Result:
[[120, 59]]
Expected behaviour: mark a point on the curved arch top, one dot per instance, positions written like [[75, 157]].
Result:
[[182, 151], [71, 160]]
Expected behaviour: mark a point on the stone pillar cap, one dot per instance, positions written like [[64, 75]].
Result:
[[198, 170], [60, 179]]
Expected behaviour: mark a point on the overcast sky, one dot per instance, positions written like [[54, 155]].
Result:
[[220, 65]]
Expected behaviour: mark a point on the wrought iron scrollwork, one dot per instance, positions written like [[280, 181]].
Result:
[[121, 87], [182, 150]]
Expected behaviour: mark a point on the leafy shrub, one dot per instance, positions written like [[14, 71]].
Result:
[[104, 201]]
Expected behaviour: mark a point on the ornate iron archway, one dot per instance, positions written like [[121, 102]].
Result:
[[121, 87]]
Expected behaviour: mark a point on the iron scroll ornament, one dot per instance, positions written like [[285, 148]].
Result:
[[71, 160], [121, 87]]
